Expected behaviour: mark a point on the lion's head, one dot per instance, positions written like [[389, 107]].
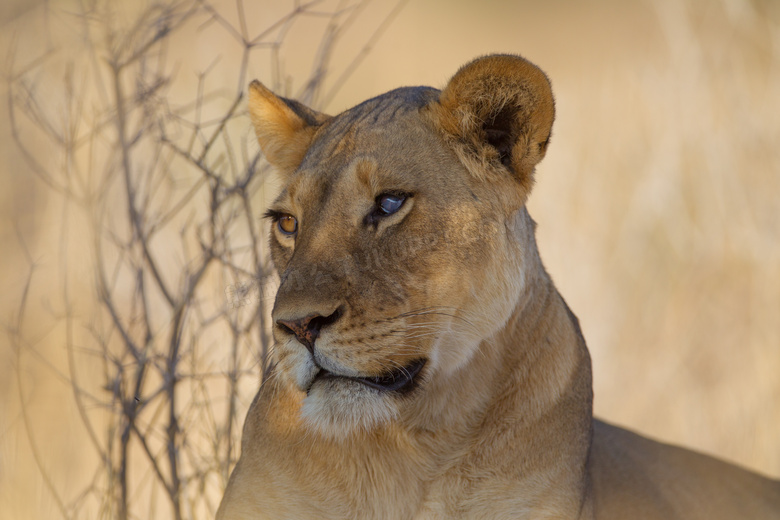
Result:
[[400, 237]]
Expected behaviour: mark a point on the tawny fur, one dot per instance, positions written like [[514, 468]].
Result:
[[499, 424]]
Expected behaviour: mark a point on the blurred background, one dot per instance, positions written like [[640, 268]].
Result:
[[132, 258]]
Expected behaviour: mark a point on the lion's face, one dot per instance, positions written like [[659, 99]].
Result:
[[396, 261]]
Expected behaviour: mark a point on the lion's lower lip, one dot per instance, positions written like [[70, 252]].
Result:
[[399, 380]]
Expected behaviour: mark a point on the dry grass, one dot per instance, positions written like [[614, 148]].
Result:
[[657, 204]]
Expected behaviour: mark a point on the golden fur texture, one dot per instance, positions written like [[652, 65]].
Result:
[[425, 365]]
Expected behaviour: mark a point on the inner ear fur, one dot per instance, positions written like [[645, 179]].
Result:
[[497, 113], [284, 127]]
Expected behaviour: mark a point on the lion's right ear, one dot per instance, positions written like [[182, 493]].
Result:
[[284, 127]]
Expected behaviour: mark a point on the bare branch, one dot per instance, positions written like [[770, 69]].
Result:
[[169, 188]]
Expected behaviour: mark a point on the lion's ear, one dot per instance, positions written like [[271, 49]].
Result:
[[497, 112], [284, 127]]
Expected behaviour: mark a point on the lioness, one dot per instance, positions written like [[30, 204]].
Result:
[[425, 365]]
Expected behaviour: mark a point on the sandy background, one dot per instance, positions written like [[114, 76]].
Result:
[[658, 206]]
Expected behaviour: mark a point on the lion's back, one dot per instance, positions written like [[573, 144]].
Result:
[[638, 478]]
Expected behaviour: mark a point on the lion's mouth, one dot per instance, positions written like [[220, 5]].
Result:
[[399, 380]]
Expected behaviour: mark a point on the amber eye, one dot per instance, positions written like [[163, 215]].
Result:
[[287, 224]]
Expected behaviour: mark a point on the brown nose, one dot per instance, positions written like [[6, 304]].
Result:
[[307, 329]]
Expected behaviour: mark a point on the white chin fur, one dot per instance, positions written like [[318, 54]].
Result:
[[338, 409]]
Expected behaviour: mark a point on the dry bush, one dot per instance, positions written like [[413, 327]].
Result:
[[154, 326]]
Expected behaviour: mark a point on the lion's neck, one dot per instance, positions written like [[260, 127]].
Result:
[[524, 407], [537, 359]]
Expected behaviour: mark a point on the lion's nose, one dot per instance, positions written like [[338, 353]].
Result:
[[307, 329]]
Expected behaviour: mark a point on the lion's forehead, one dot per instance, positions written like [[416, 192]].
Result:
[[371, 127], [388, 107], [383, 144]]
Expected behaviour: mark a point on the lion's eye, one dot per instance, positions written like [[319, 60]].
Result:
[[386, 204], [389, 203], [287, 224]]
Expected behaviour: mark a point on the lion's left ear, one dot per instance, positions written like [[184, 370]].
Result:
[[497, 112], [284, 127]]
